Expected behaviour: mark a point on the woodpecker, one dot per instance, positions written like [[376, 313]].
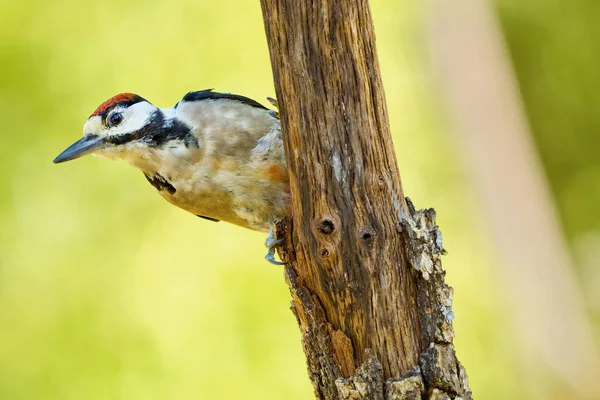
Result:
[[217, 155]]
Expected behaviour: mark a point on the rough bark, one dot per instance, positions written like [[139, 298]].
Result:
[[363, 266]]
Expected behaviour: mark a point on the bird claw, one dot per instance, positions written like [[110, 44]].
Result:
[[271, 243], [270, 257]]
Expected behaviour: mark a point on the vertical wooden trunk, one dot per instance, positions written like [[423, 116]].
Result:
[[363, 265]]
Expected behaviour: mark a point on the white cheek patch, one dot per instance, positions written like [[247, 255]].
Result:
[[134, 118]]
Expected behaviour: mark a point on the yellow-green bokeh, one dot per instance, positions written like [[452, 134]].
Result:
[[108, 292]]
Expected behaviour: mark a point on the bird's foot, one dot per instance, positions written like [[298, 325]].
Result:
[[271, 243]]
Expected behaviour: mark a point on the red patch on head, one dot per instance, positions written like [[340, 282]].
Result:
[[120, 98]]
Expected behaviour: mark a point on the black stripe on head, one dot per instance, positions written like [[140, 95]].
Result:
[[157, 132], [208, 94], [122, 138]]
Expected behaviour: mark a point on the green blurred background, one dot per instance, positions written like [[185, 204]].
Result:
[[108, 292]]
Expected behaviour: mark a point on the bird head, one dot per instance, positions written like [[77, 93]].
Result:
[[117, 125]]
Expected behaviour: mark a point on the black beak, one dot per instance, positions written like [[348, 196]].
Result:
[[83, 146]]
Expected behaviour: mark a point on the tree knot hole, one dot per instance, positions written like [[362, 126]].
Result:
[[326, 226], [366, 234]]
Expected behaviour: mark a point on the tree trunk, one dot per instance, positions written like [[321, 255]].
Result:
[[363, 266]]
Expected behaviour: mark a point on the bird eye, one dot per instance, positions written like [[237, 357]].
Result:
[[116, 119]]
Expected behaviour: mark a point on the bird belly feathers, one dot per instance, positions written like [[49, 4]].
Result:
[[231, 196], [237, 177]]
